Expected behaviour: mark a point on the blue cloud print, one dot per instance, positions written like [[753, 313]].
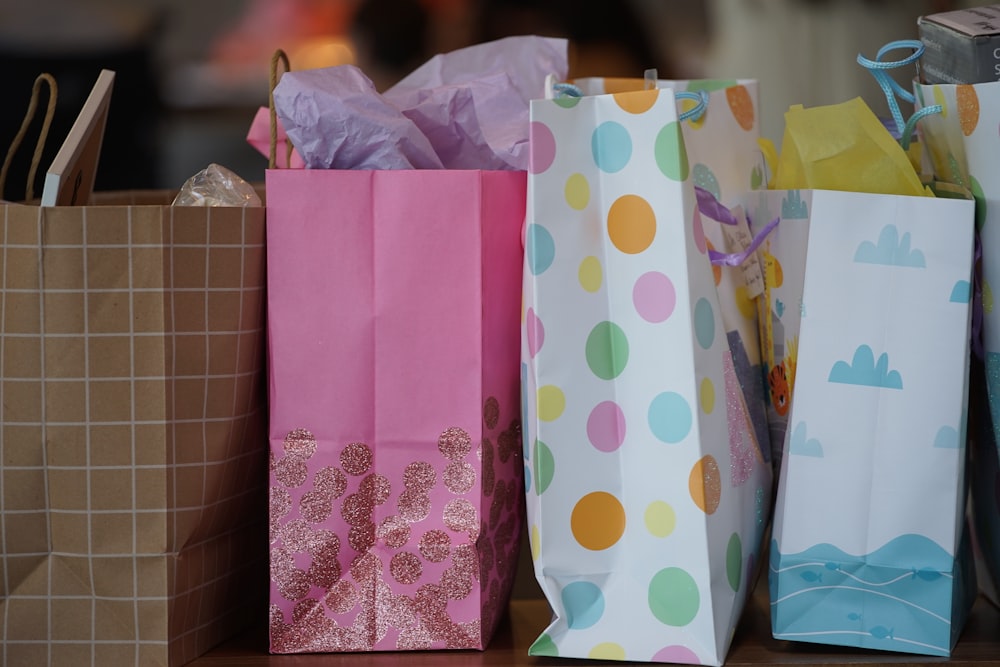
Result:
[[947, 438], [803, 446], [864, 370], [890, 250], [961, 292]]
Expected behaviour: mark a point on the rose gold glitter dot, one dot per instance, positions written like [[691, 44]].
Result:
[[499, 498], [457, 585], [435, 545], [454, 443], [394, 531], [489, 474], [459, 477], [273, 528], [290, 472], [292, 584], [376, 487], [419, 476], [295, 534], [485, 554], [362, 538], [406, 568], [509, 441], [383, 600], [431, 600], [323, 541], [491, 412], [364, 628], [315, 507], [366, 568], [303, 608], [461, 516], [414, 639], [324, 571], [356, 509], [341, 597], [300, 444], [280, 501], [356, 458], [465, 559], [414, 505], [281, 561], [400, 611], [331, 481]]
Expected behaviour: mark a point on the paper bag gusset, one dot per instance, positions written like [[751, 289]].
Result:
[[843, 147]]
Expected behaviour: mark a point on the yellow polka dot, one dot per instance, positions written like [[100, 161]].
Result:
[[660, 518], [706, 395], [688, 105], [577, 192], [551, 402], [631, 224], [535, 539], [590, 274], [598, 521], [637, 102], [607, 651], [939, 99], [743, 301]]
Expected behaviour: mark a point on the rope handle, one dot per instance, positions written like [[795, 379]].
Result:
[[42, 135], [282, 57], [879, 69]]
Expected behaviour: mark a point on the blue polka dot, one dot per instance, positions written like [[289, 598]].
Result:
[[541, 249], [584, 604], [704, 323], [670, 417], [612, 146], [527, 478]]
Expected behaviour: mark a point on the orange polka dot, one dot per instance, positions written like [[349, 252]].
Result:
[[968, 108], [623, 85], [741, 105], [637, 102], [716, 269], [631, 224], [705, 484], [598, 521]]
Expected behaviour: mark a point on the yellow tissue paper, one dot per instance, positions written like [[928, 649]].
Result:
[[843, 147]]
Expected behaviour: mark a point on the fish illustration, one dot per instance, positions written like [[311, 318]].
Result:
[[832, 566], [812, 577], [926, 574], [854, 617], [881, 632]]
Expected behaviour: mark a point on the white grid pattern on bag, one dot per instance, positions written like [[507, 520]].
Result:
[[239, 459]]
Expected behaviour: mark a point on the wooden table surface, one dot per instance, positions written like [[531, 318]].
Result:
[[753, 645]]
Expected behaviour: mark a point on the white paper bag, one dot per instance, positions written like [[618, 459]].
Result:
[[869, 518], [647, 489]]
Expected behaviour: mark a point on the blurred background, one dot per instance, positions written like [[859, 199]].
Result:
[[190, 75]]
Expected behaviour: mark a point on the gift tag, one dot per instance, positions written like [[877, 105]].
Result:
[[738, 240]]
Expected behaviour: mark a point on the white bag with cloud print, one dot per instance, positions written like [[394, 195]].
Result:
[[869, 544]]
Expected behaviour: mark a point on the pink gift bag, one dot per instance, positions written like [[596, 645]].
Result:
[[396, 471]]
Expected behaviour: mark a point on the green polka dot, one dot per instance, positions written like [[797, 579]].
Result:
[[544, 646], [673, 597], [545, 467], [567, 102], [703, 177], [987, 297], [607, 350], [671, 155], [734, 561]]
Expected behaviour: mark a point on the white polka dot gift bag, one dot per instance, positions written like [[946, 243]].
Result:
[[647, 487]]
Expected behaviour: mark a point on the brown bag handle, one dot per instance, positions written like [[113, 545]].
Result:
[[42, 135], [279, 56]]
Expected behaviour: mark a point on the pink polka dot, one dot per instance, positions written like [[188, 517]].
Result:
[[699, 232], [606, 426], [535, 331], [676, 654], [654, 296], [543, 147]]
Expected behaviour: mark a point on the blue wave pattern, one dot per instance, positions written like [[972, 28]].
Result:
[[824, 595]]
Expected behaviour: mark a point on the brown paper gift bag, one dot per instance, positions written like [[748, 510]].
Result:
[[132, 433]]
